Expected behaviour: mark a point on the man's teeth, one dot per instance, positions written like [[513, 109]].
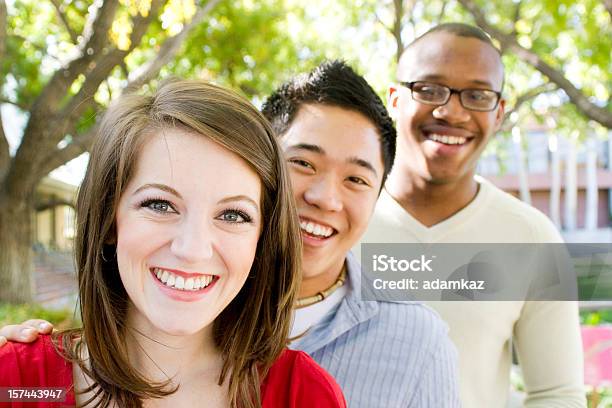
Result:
[[316, 229], [450, 140], [178, 282]]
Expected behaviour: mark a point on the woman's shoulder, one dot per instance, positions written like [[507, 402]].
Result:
[[296, 380], [34, 364]]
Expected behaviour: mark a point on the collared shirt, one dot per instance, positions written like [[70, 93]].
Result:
[[385, 354]]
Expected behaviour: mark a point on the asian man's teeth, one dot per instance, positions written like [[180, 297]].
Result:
[[316, 229], [178, 282], [449, 140]]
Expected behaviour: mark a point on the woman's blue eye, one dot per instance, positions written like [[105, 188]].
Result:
[[235, 216], [160, 206]]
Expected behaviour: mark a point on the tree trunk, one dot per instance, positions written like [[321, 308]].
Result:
[[555, 184], [16, 284], [591, 186]]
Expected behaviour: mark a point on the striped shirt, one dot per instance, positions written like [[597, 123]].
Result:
[[385, 354]]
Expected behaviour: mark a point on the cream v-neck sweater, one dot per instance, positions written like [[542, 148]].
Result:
[[546, 335]]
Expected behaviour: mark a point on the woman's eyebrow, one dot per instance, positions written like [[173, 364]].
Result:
[[158, 186], [240, 197]]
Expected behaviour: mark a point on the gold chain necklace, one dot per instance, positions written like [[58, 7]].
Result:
[[311, 300]]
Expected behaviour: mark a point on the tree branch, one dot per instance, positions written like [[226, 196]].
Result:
[[60, 13], [58, 157], [23, 107], [608, 6], [168, 50], [124, 69], [95, 41], [103, 67], [382, 23], [508, 42], [517, 16], [45, 128], [442, 12], [398, 8], [5, 156], [524, 98], [38, 47]]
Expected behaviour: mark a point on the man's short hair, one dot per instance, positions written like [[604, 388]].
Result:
[[460, 30], [332, 83]]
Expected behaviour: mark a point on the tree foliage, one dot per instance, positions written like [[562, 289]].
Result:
[[574, 38], [64, 60]]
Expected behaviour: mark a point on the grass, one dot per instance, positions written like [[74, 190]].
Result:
[[13, 314]]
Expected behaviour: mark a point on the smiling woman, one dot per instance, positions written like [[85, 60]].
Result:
[[187, 255]]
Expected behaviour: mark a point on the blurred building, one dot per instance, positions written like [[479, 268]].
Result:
[[54, 227], [54, 218], [525, 167]]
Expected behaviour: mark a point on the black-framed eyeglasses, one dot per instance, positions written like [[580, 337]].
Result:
[[481, 100]]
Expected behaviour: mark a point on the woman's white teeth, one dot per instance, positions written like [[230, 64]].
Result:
[[178, 282], [450, 140], [316, 229]]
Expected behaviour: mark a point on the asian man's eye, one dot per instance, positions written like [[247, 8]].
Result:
[[301, 163], [358, 180]]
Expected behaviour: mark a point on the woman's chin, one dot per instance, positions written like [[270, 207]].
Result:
[[180, 327]]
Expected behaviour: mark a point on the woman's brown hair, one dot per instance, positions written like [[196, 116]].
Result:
[[252, 331]]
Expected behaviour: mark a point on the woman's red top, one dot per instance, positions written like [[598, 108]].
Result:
[[294, 380]]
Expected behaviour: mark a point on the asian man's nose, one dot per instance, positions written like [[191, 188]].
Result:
[[324, 193]]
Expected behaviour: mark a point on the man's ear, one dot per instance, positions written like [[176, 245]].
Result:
[[392, 101], [501, 113]]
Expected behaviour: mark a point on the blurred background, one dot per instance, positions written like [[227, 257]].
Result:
[[62, 61]]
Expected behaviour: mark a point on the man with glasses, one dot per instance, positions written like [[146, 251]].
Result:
[[448, 105]]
